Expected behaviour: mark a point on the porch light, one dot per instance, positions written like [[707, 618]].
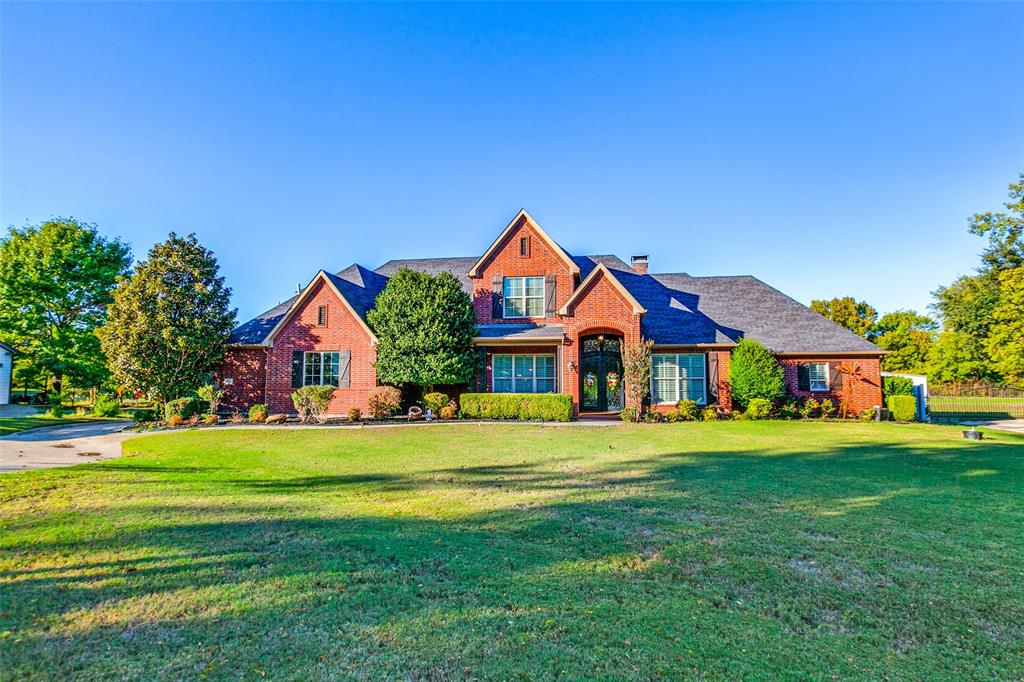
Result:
[[572, 366]]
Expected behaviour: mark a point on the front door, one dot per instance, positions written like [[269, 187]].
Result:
[[601, 374]]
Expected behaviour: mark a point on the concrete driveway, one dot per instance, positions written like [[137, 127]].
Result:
[[62, 446]]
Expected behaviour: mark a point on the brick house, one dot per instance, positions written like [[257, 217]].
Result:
[[549, 321]]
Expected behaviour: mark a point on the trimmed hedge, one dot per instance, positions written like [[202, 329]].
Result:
[[897, 386], [553, 407], [185, 407], [903, 408]]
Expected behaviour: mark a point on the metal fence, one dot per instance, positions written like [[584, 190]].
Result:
[[975, 402]]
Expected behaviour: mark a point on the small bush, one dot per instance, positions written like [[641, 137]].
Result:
[[355, 414], [868, 415], [106, 406], [237, 418], [686, 410], [384, 402], [186, 408], [790, 409], [313, 401], [735, 415], [652, 416], [628, 414], [434, 402], [523, 406], [212, 394], [144, 415], [210, 419], [449, 411], [56, 410], [827, 408], [903, 408], [758, 408], [258, 413], [709, 414], [175, 420], [897, 386], [809, 408]]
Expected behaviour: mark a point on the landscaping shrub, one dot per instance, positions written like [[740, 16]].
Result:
[[868, 415], [809, 408], [384, 402], [186, 408], [434, 402], [897, 386], [709, 414], [790, 409], [144, 415], [175, 420], [827, 408], [758, 408], [258, 413], [106, 406], [652, 416], [236, 418], [628, 414], [754, 373], [523, 406], [313, 401], [686, 411], [355, 414], [449, 411], [903, 408], [210, 419], [212, 394], [56, 409]]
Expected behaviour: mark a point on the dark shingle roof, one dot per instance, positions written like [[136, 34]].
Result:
[[518, 332], [359, 286], [457, 266], [685, 310], [588, 263], [256, 329]]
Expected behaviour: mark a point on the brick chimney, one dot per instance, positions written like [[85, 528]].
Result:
[[639, 264]]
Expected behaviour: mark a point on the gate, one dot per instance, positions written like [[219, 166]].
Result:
[[975, 402]]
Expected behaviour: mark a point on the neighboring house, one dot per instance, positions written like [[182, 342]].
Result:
[[551, 322], [6, 373]]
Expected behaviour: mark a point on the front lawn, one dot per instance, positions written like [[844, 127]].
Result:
[[802, 550]]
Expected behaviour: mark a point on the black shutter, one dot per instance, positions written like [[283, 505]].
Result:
[[549, 296], [497, 284], [344, 368], [803, 378], [835, 378], [481, 371], [712, 378], [296, 369]]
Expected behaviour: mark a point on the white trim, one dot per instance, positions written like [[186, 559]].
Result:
[[321, 353], [810, 381], [573, 268], [301, 300], [524, 298], [600, 268], [678, 379]]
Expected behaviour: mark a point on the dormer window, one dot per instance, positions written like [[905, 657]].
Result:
[[523, 296], [524, 247]]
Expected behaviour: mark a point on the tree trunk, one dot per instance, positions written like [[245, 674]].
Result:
[[58, 385]]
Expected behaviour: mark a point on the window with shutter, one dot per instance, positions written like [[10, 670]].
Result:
[[678, 376], [523, 296], [817, 376]]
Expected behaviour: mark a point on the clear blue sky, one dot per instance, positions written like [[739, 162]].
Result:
[[827, 149]]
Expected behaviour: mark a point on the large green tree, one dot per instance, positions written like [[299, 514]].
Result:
[[957, 356], [55, 283], [1005, 343], [169, 321], [908, 336], [1005, 232], [425, 326], [857, 316]]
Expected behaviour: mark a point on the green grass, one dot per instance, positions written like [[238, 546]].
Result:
[[982, 408], [12, 424], [799, 550]]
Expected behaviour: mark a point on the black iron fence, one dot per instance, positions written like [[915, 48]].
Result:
[[975, 402]]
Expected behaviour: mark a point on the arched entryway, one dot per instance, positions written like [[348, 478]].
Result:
[[601, 373]]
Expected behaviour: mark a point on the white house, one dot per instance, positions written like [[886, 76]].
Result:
[[6, 373]]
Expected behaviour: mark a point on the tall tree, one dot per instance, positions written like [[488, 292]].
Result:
[[857, 316], [425, 326], [908, 337], [169, 321], [55, 284], [1005, 232], [958, 356], [1005, 344]]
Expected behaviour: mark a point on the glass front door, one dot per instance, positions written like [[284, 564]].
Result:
[[601, 374]]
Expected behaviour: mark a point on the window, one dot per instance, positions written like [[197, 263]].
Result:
[[321, 316], [678, 376], [524, 247], [523, 373], [817, 372], [320, 369], [523, 296]]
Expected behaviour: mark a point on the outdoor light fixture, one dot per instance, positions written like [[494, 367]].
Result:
[[572, 366]]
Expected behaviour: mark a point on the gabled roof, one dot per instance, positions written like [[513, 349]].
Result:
[[474, 271], [601, 268], [433, 266], [340, 285]]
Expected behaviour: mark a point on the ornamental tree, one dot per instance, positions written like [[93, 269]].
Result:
[[425, 326], [55, 284], [169, 321], [754, 373], [636, 368]]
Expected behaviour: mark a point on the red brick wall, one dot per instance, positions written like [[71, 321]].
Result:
[[246, 368], [506, 262], [866, 393], [343, 331]]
